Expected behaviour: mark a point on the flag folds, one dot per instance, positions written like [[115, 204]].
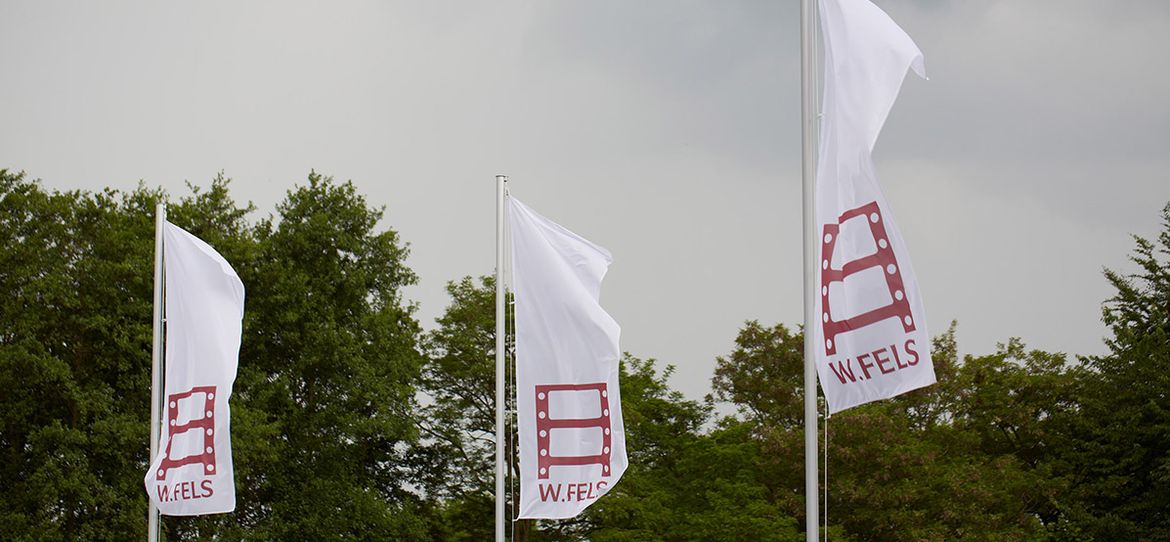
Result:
[[193, 473], [572, 442], [871, 340]]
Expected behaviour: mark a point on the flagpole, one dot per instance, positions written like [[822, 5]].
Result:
[[160, 218], [808, 102], [501, 182]]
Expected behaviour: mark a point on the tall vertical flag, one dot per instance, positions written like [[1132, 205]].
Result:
[[871, 340], [192, 473], [572, 442]]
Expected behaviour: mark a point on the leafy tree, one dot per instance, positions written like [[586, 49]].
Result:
[[1011, 405], [74, 361], [324, 397], [922, 466], [1118, 454], [457, 455], [459, 379], [764, 376], [682, 483], [350, 424], [976, 470]]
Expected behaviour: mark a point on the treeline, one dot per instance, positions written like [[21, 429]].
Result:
[[349, 422]]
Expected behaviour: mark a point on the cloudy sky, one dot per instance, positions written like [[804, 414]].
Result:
[[666, 130]]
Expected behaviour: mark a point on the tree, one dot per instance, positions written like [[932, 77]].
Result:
[[921, 466], [350, 424], [682, 483], [1118, 454], [324, 403], [456, 459], [74, 361], [764, 376], [1012, 404]]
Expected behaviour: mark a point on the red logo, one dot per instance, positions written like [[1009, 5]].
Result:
[[205, 425], [545, 424], [883, 257]]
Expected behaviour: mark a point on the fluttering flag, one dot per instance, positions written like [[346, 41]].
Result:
[[572, 442], [192, 473], [871, 339]]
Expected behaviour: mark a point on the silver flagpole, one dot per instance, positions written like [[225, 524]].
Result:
[[160, 218], [501, 182], [808, 103]]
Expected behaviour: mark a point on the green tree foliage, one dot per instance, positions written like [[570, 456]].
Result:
[[971, 471], [349, 423], [456, 458], [75, 327], [1010, 406], [324, 401], [324, 398], [459, 379], [1118, 453], [954, 461], [681, 484], [764, 376]]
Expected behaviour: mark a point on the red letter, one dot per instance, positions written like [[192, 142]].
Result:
[[549, 491], [897, 360], [913, 353], [206, 485], [164, 493], [186, 490], [881, 361], [846, 370], [864, 365]]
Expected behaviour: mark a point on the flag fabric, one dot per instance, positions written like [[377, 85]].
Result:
[[572, 444], [871, 339], [192, 473]]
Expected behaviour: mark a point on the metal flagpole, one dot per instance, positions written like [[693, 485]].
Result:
[[156, 375], [808, 101], [501, 182]]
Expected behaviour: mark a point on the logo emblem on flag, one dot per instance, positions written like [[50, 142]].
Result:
[[882, 258], [593, 429], [201, 400]]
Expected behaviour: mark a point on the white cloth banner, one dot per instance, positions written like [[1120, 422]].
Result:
[[871, 340], [192, 473], [572, 445]]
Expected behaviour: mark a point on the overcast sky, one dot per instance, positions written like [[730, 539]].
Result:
[[667, 131]]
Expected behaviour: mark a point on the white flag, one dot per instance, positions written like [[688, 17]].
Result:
[[871, 340], [192, 473], [572, 445]]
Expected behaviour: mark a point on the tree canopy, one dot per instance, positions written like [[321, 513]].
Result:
[[350, 422]]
